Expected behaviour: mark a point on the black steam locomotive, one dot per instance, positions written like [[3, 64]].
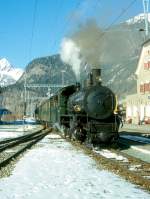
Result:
[[86, 113]]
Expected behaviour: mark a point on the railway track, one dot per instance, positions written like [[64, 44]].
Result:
[[130, 167], [113, 159], [12, 148]]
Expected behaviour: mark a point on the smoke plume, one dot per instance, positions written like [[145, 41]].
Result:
[[89, 38], [91, 45]]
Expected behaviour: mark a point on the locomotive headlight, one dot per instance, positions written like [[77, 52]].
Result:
[[77, 108]]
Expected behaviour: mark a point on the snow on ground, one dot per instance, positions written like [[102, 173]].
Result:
[[19, 127], [135, 167], [26, 127], [56, 170], [108, 154], [10, 131], [139, 149], [4, 134]]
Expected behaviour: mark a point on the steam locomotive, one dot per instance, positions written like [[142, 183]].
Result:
[[86, 113]]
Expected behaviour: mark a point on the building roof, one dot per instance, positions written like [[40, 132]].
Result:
[[4, 111], [139, 62], [145, 42]]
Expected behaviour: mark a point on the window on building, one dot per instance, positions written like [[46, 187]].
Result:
[[142, 88], [145, 87], [147, 65]]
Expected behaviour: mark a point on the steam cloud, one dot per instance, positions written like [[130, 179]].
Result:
[[70, 54], [82, 46]]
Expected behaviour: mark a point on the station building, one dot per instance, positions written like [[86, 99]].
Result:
[[138, 105]]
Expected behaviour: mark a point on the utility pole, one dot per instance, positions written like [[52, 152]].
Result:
[[145, 7], [63, 71], [25, 93]]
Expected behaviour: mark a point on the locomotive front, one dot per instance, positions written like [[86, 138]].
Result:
[[92, 111], [94, 100]]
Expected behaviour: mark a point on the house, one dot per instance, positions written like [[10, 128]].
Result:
[[138, 105]]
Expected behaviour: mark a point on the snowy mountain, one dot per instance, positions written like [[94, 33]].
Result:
[[138, 18], [8, 74]]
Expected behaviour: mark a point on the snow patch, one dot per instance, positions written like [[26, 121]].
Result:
[[141, 149], [8, 74], [53, 136], [108, 154], [10, 134], [135, 167], [138, 18], [18, 131]]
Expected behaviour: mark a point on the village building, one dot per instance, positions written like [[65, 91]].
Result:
[[138, 105]]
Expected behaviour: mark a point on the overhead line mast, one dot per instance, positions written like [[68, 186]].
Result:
[[30, 52], [145, 6]]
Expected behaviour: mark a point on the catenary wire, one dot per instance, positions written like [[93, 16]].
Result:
[[33, 28]]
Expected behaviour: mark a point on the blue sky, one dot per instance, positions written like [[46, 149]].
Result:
[[35, 28]]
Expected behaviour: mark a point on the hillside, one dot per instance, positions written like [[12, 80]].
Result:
[[45, 70], [120, 56]]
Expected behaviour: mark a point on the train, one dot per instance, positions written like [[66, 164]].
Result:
[[85, 113]]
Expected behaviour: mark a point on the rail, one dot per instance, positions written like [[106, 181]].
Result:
[[27, 141]]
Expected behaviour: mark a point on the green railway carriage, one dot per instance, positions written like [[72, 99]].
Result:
[[47, 112], [54, 110], [63, 95]]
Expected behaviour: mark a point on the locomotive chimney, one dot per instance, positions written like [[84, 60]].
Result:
[[96, 76], [78, 86]]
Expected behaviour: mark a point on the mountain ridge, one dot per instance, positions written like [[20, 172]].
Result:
[[8, 73]]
